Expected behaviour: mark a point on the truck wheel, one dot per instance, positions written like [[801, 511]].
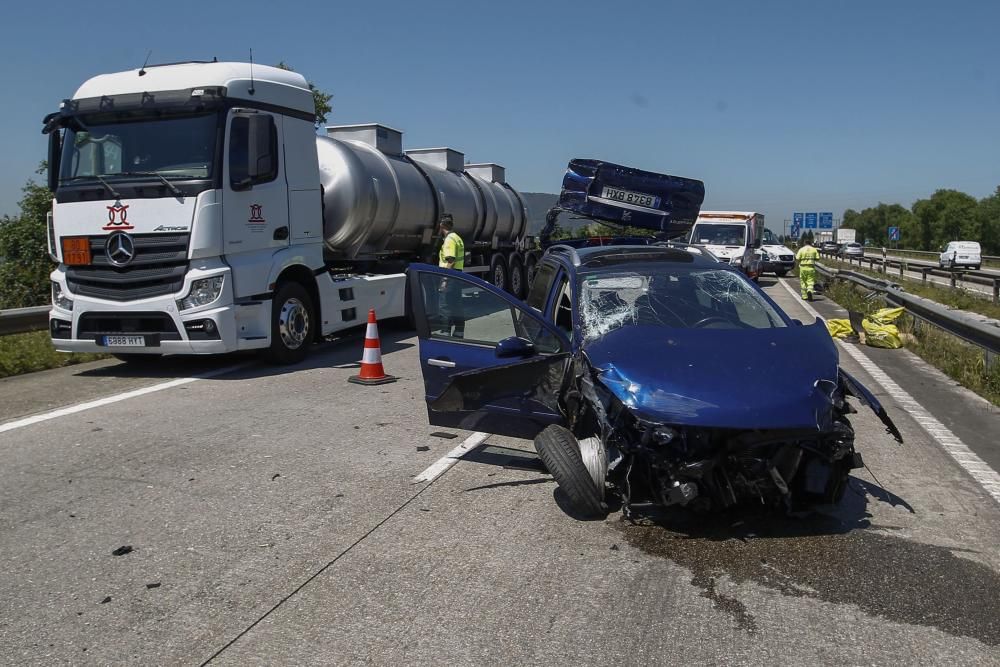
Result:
[[498, 272], [291, 324], [560, 452], [518, 279], [530, 268]]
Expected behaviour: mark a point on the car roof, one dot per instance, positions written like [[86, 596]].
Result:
[[618, 254]]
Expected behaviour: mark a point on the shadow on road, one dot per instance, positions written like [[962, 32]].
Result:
[[344, 351]]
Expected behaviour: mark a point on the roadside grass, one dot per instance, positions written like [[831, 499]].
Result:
[[959, 299], [30, 352], [964, 363]]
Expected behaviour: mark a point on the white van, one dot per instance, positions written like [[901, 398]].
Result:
[[961, 253]]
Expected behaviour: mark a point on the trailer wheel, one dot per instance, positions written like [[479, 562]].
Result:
[[560, 452], [291, 324], [530, 269], [518, 279], [498, 272]]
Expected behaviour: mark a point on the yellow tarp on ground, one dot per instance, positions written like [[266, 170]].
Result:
[[880, 330], [839, 328]]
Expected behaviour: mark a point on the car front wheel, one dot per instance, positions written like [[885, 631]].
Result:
[[560, 452]]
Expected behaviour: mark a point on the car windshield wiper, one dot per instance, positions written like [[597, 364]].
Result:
[[173, 188]]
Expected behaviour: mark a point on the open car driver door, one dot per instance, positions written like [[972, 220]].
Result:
[[489, 361]]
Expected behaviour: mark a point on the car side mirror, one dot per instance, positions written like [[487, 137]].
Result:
[[515, 346]]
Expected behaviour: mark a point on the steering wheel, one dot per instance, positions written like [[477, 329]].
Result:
[[707, 320]]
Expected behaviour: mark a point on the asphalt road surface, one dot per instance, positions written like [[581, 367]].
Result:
[[270, 516]]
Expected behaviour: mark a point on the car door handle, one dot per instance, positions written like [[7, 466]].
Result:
[[442, 363]]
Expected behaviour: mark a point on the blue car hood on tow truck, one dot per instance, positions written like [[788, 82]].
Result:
[[779, 378]]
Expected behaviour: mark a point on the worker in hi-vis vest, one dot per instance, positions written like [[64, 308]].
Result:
[[806, 257], [451, 256]]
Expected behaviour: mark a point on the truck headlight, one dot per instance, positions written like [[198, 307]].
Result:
[[59, 298], [203, 292]]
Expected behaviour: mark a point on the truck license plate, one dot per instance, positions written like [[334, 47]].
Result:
[[125, 341], [637, 198]]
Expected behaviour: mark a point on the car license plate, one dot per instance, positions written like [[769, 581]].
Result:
[[637, 198], [125, 341]]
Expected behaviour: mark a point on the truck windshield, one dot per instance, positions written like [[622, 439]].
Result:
[[719, 234], [672, 296], [181, 147]]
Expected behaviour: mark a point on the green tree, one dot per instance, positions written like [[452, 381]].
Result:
[[24, 256], [320, 99], [988, 216], [947, 215]]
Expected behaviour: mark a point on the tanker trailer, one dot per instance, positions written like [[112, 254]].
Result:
[[382, 206]]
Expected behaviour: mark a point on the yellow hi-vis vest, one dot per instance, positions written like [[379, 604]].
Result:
[[453, 246], [807, 256]]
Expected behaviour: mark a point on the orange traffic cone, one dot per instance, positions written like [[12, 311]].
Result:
[[371, 360]]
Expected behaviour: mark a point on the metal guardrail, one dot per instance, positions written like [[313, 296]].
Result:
[[991, 278], [927, 253], [23, 320], [980, 330]]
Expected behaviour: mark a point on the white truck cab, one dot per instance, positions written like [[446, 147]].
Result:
[[732, 236], [188, 216]]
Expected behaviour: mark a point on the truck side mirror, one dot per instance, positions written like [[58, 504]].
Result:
[[260, 151], [55, 154]]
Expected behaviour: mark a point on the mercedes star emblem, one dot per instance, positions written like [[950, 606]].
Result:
[[120, 249]]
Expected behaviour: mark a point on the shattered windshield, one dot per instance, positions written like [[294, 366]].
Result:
[[673, 296], [719, 234], [171, 147]]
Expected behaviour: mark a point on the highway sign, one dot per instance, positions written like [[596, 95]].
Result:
[[797, 219], [826, 220], [894, 233], [794, 233], [810, 221]]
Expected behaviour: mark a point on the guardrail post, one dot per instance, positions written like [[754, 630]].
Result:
[[923, 275], [952, 278], [902, 267], [996, 290]]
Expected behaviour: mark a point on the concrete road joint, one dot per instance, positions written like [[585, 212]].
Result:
[[316, 574], [978, 469], [108, 400]]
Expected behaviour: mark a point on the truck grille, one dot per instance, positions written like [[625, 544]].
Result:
[[786, 258], [158, 268], [93, 324]]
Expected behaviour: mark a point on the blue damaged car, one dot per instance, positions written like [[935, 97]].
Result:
[[648, 373]]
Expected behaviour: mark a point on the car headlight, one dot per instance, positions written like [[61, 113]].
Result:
[[59, 298], [203, 292], [735, 260]]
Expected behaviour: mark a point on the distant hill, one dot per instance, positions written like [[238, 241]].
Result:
[[538, 204]]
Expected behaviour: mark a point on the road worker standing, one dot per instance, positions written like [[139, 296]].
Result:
[[451, 256], [806, 257]]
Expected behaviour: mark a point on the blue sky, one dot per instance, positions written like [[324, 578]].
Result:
[[777, 106]]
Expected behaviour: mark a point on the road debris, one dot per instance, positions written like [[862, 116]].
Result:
[[122, 550]]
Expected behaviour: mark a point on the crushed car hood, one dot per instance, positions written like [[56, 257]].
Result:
[[747, 378]]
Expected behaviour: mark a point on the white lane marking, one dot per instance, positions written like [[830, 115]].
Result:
[[108, 400], [451, 458], [958, 450]]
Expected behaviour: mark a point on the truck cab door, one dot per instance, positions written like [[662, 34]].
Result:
[[489, 361], [254, 197]]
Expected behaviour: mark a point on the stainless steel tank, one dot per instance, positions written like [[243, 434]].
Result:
[[378, 198]]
